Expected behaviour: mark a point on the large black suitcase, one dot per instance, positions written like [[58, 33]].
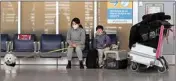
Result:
[[92, 59]]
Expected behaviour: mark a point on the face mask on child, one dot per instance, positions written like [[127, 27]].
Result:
[[75, 26], [99, 32]]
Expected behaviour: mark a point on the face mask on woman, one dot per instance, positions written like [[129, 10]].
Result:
[[75, 26]]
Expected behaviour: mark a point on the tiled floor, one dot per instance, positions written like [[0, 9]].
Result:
[[54, 73]]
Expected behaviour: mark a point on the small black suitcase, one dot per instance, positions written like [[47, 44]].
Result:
[[92, 59]]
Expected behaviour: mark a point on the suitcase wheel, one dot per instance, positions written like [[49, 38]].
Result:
[[134, 66], [162, 69], [165, 66], [165, 62]]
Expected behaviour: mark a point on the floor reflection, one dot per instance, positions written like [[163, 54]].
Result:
[[54, 73]]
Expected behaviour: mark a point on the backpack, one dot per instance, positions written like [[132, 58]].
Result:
[[92, 59]]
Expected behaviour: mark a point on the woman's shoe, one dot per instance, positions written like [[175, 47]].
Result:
[[81, 64], [69, 65], [101, 66]]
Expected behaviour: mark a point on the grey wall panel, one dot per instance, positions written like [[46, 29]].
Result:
[[170, 59]]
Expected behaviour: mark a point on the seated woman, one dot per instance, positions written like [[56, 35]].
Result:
[[101, 43], [76, 40]]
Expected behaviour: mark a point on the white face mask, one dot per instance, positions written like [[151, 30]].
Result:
[[99, 33], [75, 26]]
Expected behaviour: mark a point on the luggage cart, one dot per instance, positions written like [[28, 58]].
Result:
[[141, 54]]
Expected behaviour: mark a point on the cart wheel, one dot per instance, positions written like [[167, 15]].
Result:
[[165, 62], [134, 66], [162, 69], [167, 66]]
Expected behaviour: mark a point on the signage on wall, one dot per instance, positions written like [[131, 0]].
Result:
[[119, 12], [154, 8]]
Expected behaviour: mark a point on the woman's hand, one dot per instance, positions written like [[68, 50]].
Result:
[[74, 45], [71, 45]]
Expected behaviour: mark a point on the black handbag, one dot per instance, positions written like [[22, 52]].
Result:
[[92, 59]]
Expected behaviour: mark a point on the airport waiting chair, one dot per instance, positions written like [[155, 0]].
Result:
[[5, 42], [114, 39], [49, 42], [23, 46]]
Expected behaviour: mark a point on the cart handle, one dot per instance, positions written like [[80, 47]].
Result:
[[160, 42]]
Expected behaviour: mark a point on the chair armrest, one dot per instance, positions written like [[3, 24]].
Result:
[[118, 44], [62, 46], [11, 46], [38, 46], [35, 47], [90, 44], [7, 46], [65, 46]]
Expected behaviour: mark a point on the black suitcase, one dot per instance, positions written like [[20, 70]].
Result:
[[92, 59]]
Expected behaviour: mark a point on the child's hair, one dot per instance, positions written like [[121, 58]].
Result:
[[77, 21], [99, 27]]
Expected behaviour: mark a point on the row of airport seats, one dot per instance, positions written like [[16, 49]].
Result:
[[47, 42]]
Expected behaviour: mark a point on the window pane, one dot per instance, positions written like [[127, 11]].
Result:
[[39, 17], [9, 17], [69, 10], [122, 30]]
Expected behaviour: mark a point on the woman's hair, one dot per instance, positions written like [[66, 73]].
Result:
[[80, 26], [77, 21]]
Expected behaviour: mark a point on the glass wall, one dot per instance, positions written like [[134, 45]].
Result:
[[9, 17], [38, 17], [81, 10], [122, 29]]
